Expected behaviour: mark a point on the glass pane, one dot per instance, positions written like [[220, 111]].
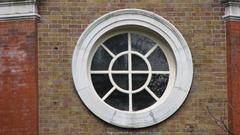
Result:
[[101, 60], [138, 80], [118, 100], [142, 100], [101, 83], [158, 84], [138, 63], [141, 43], [118, 43], [121, 80], [121, 63], [158, 60]]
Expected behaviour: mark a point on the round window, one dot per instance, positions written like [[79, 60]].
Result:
[[132, 68]]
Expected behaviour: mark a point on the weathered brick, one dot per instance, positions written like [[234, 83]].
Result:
[[18, 78]]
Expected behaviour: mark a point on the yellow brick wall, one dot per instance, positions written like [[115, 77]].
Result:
[[61, 111]]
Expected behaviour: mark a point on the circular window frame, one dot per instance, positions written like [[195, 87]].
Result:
[[161, 43], [139, 18]]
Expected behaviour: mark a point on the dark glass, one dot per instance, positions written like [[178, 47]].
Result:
[[138, 63], [118, 100], [142, 100], [118, 43], [121, 63], [101, 60], [141, 43], [121, 80], [158, 60], [158, 84], [101, 83], [138, 80]]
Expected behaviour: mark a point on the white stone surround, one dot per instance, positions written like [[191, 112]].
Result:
[[232, 10], [140, 18], [18, 10]]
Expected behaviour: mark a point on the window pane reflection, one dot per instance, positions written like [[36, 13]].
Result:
[[142, 100], [101, 60], [158, 84], [118, 100], [121, 80], [158, 60], [141, 43], [138, 80], [101, 84], [138, 63], [117, 43], [121, 63]]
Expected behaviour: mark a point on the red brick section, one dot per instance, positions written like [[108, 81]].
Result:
[[233, 61], [18, 78]]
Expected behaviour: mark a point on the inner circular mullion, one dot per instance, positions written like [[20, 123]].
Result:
[[128, 70]]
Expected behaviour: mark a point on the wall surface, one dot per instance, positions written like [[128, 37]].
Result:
[[61, 111], [233, 53], [18, 77]]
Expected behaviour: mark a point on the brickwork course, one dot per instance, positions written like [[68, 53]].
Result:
[[61, 111]]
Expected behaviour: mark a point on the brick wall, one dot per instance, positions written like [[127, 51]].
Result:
[[61, 111], [233, 55], [18, 78]]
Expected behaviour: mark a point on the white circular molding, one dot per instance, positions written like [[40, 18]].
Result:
[[164, 29]]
